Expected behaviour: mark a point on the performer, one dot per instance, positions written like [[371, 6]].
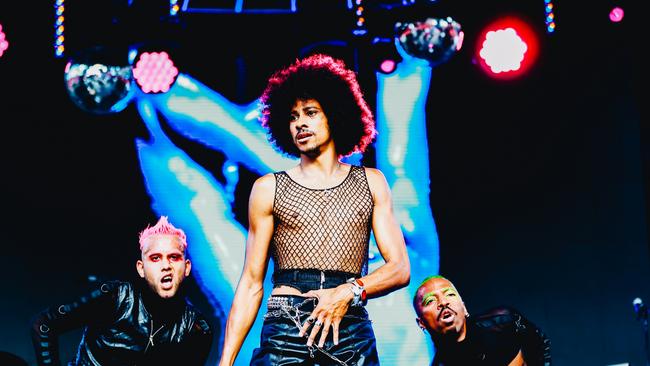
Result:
[[148, 323], [315, 221], [498, 337]]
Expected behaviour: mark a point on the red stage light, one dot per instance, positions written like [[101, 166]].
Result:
[[507, 48]]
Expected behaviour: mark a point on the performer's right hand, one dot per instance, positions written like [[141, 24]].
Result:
[[332, 306]]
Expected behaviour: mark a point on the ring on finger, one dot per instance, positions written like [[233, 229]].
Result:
[[318, 323], [310, 319]]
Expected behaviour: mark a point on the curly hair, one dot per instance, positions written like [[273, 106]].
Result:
[[335, 87]]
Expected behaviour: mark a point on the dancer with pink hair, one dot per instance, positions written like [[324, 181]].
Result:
[[145, 323]]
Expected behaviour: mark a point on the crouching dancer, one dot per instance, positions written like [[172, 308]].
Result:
[[144, 323]]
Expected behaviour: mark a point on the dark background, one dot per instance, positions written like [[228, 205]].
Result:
[[538, 184]]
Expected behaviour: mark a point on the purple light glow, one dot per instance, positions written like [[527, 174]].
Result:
[[616, 14]]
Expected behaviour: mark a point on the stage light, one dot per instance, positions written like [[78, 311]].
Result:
[[360, 21], [616, 14], [59, 19], [387, 66], [506, 48], [4, 44], [174, 7], [154, 70], [503, 50], [549, 16]]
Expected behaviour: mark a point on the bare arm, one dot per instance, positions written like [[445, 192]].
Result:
[[392, 275], [250, 291]]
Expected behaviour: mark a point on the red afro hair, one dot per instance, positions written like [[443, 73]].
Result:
[[335, 87]]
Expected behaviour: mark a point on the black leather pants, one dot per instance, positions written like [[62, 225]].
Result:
[[281, 345]]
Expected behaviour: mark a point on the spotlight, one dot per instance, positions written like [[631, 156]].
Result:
[[387, 66], [174, 8], [549, 16], [506, 48], [616, 14], [154, 68], [3, 42], [59, 19], [360, 27]]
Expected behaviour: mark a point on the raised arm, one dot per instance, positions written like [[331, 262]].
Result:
[[250, 289]]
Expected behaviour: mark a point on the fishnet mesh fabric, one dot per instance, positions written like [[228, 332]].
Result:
[[324, 229]]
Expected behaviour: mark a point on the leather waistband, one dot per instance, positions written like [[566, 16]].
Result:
[[285, 276]]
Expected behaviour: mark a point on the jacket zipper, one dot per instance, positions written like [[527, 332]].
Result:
[[151, 335]]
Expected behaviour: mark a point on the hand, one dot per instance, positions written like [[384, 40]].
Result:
[[332, 305]]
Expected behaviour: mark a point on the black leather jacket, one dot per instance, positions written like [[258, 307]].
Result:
[[494, 338], [125, 324]]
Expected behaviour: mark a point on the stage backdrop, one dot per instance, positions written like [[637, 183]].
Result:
[[528, 193]]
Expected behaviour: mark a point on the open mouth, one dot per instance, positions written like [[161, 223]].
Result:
[[166, 282], [447, 315]]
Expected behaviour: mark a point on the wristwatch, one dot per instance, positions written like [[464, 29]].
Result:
[[359, 292]]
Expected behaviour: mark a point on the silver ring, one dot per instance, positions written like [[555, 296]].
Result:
[[310, 320], [318, 323]]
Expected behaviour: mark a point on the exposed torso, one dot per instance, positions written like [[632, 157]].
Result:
[[321, 225]]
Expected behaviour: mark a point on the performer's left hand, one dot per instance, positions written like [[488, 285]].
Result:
[[332, 305]]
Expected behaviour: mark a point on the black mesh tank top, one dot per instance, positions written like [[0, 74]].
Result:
[[323, 229]]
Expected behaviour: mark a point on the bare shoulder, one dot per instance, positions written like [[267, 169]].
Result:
[[265, 182], [263, 192], [377, 183], [376, 178]]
